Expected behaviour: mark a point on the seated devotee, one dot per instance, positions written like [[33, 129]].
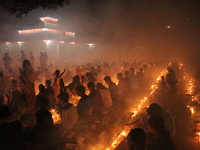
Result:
[[41, 93], [169, 97], [155, 109], [90, 77], [11, 131], [127, 81], [133, 77], [69, 115], [136, 139], [141, 78], [84, 81], [68, 77], [75, 82], [44, 126], [84, 106], [18, 104], [162, 139], [171, 76], [96, 100], [49, 91], [163, 86], [112, 87], [41, 88], [121, 85], [14, 86], [105, 93], [14, 90]]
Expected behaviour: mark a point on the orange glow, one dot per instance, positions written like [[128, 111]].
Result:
[[199, 136], [141, 105], [72, 42], [55, 116], [69, 33]]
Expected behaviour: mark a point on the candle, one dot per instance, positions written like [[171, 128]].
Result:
[[139, 108], [199, 136]]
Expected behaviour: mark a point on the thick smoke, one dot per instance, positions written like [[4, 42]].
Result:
[[153, 30]]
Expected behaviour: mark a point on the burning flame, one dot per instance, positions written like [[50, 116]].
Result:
[[55, 116], [125, 132], [199, 136]]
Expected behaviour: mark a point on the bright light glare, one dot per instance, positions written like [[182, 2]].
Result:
[[45, 29], [47, 41], [91, 44]]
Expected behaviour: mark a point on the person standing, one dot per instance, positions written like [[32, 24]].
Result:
[[58, 85], [69, 115], [112, 87], [7, 60], [27, 77]]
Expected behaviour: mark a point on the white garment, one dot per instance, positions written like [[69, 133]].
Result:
[[69, 117], [106, 97]]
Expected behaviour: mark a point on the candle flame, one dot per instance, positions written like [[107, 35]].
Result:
[[55, 116], [199, 136], [141, 105]]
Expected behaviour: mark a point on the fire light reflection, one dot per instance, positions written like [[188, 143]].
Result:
[[55, 116], [141, 105]]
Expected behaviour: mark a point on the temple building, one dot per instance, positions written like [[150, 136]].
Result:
[[48, 37]]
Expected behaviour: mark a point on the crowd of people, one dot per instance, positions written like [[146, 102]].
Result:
[[155, 128], [90, 98]]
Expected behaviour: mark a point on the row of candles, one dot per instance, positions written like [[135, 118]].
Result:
[[143, 103], [190, 92]]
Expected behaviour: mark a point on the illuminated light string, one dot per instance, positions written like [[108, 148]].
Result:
[[46, 41], [48, 19], [45, 30], [141, 105]]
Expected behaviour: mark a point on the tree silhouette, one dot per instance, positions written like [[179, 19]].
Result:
[[23, 7]]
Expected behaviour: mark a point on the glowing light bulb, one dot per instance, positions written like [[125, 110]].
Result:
[[90, 44]]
